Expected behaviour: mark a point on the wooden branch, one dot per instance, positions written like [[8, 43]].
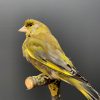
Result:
[[54, 88], [40, 80]]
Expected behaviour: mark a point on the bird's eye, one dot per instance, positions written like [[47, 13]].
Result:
[[29, 24]]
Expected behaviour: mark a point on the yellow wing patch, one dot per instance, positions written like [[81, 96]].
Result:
[[50, 65], [68, 61]]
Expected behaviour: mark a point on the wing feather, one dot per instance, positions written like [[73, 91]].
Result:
[[53, 58]]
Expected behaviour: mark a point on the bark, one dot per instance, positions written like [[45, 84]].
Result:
[[40, 80]]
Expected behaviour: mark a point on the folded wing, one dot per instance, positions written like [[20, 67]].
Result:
[[53, 58]]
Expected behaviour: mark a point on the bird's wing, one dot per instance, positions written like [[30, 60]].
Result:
[[53, 58]]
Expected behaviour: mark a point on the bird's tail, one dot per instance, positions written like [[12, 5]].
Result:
[[82, 85]]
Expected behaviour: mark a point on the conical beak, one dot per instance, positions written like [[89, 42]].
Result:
[[23, 29]]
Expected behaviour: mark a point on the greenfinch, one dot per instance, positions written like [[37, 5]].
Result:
[[44, 52]]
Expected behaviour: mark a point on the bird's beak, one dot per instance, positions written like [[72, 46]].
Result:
[[23, 29]]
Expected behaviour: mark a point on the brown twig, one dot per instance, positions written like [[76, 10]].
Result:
[[54, 88], [40, 80]]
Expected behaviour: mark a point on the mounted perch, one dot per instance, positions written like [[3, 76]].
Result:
[[40, 80]]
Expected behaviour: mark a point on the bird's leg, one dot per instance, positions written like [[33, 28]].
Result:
[[42, 79]]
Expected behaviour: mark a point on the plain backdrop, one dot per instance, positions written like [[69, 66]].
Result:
[[76, 25]]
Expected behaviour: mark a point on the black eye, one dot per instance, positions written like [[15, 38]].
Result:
[[29, 24]]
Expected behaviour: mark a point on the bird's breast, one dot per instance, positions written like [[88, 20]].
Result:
[[24, 50]]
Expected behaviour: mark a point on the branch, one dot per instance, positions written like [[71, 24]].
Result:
[[54, 88], [40, 80]]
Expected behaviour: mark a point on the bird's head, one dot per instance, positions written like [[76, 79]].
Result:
[[32, 26]]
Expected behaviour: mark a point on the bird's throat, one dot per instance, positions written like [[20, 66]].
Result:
[[28, 35]]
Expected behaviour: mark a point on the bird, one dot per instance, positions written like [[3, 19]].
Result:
[[43, 51]]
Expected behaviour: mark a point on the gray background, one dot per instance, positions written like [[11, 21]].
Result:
[[75, 23]]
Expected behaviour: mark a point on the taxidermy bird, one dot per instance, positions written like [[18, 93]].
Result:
[[44, 52]]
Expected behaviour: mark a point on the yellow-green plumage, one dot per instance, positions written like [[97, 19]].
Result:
[[44, 52]]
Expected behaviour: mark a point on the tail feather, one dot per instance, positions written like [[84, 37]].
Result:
[[82, 85]]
